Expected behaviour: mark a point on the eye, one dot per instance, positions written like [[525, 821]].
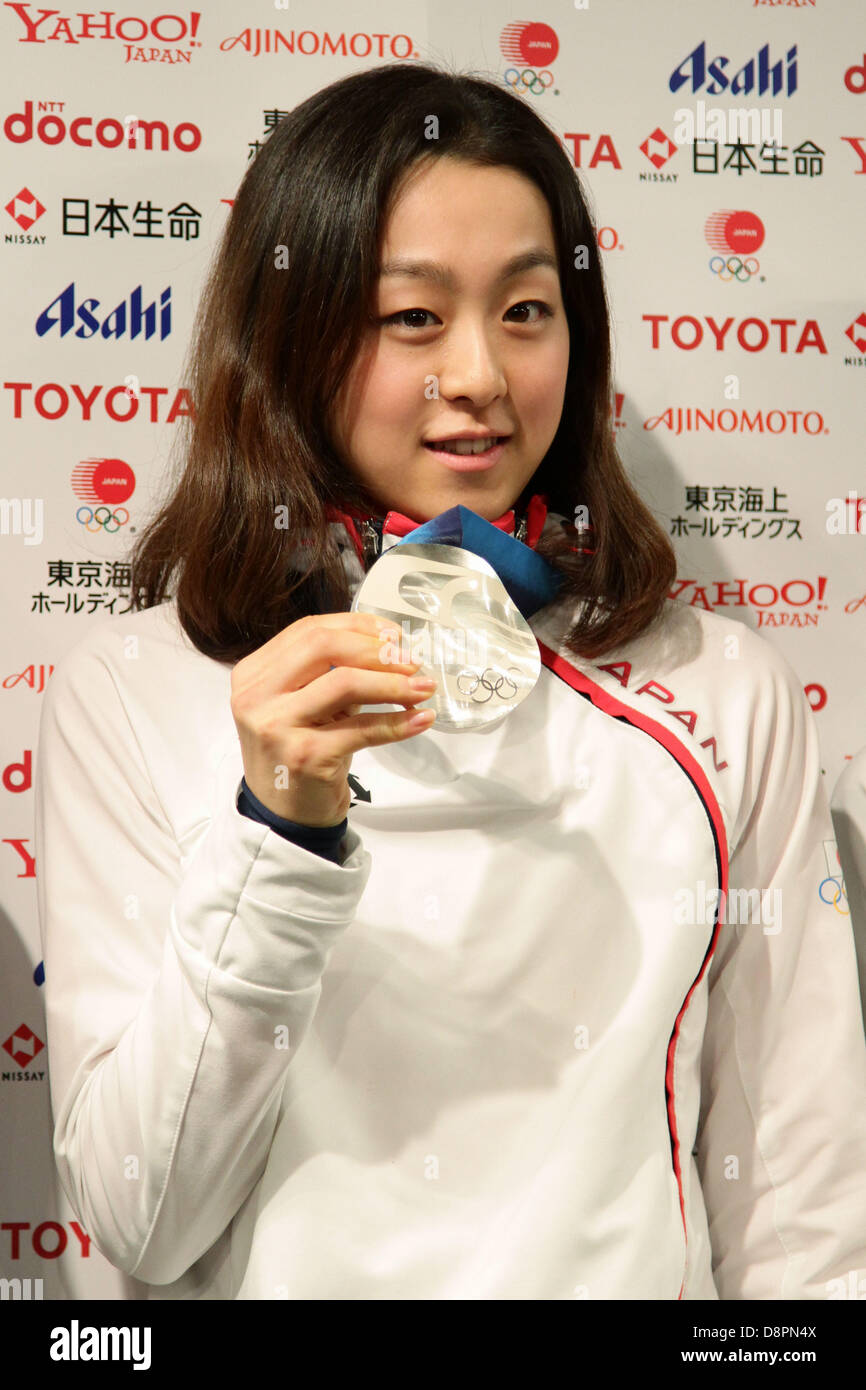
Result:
[[399, 318], [404, 313], [546, 311]]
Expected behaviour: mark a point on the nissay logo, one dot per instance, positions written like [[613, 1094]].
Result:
[[25, 209], [132, 318], [23, 1045], [696, 68], [110, 132]]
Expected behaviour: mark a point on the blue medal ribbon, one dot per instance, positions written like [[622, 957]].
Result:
[[530, 580]]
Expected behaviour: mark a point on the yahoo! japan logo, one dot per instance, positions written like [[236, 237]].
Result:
[[734, 236]]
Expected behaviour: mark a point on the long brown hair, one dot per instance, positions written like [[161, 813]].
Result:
[[272, 344]]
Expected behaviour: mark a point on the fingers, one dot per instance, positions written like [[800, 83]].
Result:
[[348, 688], [313, 652], [316, 750]]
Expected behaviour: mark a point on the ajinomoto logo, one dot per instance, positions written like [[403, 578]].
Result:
[[531, 49], [734, 237]]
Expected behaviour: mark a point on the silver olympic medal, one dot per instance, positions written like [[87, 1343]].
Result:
[[457, 618]]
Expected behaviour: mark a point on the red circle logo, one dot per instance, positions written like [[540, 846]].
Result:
[[113, 481], [744, 232], [538, 45]]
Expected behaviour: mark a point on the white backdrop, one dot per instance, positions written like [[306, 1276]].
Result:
[[739, 329]]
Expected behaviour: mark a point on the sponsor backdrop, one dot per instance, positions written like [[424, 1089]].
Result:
[[723, 151]]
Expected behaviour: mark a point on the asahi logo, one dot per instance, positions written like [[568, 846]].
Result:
[[774, 78], [132, 318]]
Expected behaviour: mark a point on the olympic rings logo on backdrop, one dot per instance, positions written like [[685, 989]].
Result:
[[102, 522], [737, 268], [532, 81], [493, 687]]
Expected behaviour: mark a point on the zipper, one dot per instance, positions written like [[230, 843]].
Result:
[[371, 539]]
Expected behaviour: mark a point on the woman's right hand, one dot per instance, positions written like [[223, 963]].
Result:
[[298, 719]]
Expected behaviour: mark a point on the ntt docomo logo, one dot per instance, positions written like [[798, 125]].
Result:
[[110, 132], [855, 78]]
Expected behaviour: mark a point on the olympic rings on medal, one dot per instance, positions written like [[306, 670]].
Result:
[[102, 522], [493, 687], [531, 80], [737, 268], [837, 897]]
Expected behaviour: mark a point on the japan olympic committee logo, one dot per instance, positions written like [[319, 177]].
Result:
[[101, 484], [481, 688], [531, 47], [733, 236]]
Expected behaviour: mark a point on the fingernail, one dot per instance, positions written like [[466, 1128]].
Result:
[[418, 721]]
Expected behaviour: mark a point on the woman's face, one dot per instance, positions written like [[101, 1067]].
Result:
[[485, 352]]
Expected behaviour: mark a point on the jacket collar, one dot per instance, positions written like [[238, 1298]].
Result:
[[371, 536]]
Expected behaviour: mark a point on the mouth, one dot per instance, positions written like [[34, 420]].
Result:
[[466, 454]]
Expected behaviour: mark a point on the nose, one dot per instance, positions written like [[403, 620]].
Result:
[[471, 368]]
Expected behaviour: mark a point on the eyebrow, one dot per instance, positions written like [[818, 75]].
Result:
[[441, 275]]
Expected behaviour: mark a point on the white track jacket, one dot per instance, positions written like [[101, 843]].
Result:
[[515, 1046]]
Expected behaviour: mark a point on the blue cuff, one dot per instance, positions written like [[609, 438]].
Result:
[[323, 840]]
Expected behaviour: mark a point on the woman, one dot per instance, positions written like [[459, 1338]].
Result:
[[341, 1007]]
